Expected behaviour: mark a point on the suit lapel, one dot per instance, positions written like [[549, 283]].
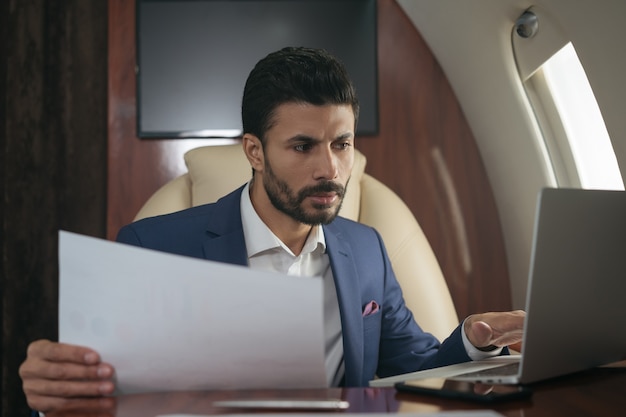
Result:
[[348, 294], [226, 241]]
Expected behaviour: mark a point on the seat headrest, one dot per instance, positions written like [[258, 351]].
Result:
[[217, 170]]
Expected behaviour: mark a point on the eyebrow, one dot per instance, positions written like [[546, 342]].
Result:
[[309, 139], [347, 135], [302, 138]]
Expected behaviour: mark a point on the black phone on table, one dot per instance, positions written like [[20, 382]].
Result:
[[464, 390]]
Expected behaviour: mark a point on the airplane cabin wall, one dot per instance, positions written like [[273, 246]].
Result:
[[472, 43]]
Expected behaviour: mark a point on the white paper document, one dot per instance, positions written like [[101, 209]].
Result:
[[168, 322]]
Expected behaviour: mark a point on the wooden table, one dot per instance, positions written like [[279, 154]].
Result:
[[599, 392]]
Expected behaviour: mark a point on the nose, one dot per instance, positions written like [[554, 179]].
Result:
[[326, 165]]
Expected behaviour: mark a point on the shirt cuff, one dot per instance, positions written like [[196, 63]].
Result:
[[473, 352]]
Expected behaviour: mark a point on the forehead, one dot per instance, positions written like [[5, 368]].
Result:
[[329, 120]]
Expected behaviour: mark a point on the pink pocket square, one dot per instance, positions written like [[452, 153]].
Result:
[[370, 308]]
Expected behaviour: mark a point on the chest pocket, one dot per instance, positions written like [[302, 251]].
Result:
[[371, 342]]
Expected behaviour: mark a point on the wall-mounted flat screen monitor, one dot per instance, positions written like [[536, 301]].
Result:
[[194, 56]]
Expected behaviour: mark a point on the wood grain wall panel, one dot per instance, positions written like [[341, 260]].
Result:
[[424, 151], [130, 161]]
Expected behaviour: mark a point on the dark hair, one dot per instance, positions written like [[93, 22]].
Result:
[[294, 74]]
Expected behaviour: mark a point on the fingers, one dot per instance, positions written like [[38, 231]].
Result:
[[68, 389], [35, 367], [57, 375], [507, 327], [51, 361], [52, 394], [62, 352], [498, 329], [481, 334]]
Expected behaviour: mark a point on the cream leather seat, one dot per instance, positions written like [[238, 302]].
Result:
[[214, 171]]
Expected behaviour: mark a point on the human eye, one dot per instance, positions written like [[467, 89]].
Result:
[[303, 147], [343, 145]]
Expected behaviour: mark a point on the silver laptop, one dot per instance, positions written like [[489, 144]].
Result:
[[576, 298]]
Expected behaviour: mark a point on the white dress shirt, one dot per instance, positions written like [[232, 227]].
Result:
[[267, 252]]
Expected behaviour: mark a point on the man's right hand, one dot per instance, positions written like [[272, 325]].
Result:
[[58, 376]]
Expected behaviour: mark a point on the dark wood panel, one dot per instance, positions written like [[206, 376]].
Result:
[[425, 152], [53, 158]]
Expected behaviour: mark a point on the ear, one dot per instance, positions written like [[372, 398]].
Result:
[[253, 148]]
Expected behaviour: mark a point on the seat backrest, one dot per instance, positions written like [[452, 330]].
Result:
[[214, 171]]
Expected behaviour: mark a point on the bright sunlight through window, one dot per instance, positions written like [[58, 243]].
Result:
[[582, 121]]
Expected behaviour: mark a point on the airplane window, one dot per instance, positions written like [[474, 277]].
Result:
[[576, 138]]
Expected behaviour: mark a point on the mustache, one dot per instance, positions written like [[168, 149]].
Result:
[[323, 187]]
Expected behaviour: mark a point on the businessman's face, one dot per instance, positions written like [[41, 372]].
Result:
[[308, 158]]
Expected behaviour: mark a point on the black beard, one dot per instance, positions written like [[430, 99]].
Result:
[[290, 203]]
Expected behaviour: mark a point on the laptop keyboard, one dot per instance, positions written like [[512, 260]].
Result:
[[510, 369]]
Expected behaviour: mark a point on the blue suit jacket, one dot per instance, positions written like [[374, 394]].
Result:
[[385, 343]]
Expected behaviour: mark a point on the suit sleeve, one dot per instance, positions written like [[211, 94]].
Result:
[[404, 346], [127, 235]]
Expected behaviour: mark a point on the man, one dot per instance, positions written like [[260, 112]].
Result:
[[299, 113]]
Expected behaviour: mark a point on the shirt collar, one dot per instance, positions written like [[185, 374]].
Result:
[[259, 238]]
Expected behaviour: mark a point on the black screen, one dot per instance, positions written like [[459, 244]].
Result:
[[194, 57]]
